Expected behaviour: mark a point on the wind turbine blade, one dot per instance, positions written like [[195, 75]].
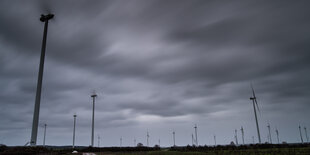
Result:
[[253, 91]]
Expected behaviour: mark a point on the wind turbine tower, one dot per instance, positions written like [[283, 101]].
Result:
[[302, 141], [242, 134], [306, 134], [147, 138], [74, 123], [236, 137], [120, 142], [214, 136], [192, 139], [277, 132], [93, 120], [173, 133], [35, 122], [44, 134], [196, 139], [270, 139], [254, 106], [134, 142]]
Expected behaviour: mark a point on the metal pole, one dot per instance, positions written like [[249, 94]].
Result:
[[35, 122], [44, 134], [74, 122], [93, 120]]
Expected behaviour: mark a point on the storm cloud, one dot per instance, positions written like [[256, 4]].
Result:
[[156, 65]]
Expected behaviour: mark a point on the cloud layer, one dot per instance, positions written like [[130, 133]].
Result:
[[157, 66]]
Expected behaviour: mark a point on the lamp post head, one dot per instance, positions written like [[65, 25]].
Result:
[[44, 18]]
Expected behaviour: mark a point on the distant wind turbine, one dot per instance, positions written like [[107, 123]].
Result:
[[242, 134], [306, 134], [255, 105], [277, 132], [236, 138], [192, 139], [120, 142], [214, 136], [44, 134], [147, 138], [269, 136], [302, 141], [196, 139], [134, 142], [93, 120], [173, 133]]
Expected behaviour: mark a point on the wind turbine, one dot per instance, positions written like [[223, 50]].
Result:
[[242, 134], [214, 136], [277, 132], [270, 139], [236, 138], [306, 134], [254, 106], [159, 142], [74, 122], [173, 133], [93, 119], [192, 139], [302, 141], [98, 140], [147, 138], [44, 134], [120, 141], [196, 139], [134, 142], [35, 122]]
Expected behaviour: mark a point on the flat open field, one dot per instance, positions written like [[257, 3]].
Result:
[[303, 149]]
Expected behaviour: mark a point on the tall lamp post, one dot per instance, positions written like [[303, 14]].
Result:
[[35, 122]]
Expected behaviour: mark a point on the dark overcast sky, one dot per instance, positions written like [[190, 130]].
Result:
[[156, 65]]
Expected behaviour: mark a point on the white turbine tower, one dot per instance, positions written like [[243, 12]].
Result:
[[255, 105]]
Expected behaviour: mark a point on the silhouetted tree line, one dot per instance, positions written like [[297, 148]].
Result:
[[206, 148], [28, 150]]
